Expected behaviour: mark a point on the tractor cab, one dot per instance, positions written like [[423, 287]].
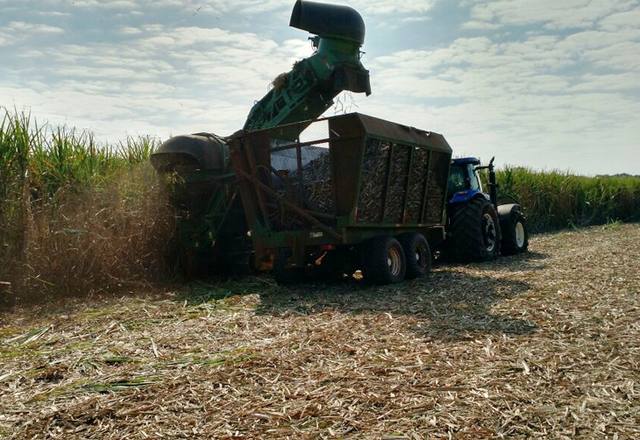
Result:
[[464, 181]]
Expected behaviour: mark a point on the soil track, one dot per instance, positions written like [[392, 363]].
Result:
[[546, 344]]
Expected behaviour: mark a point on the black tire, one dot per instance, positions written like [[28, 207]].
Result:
[[332, 268], [417, 253], [284, 275], [384, 261], [515, 235], [474, 232], [193, 264]]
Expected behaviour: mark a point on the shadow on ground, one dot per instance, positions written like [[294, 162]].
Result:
[[515, 263], [450, 304]]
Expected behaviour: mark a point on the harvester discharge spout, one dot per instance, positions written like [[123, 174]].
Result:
[[328, 21], [309, 88]]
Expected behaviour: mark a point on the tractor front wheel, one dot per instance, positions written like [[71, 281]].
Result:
[[515, 236]]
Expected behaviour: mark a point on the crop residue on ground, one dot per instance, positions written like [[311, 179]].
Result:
[[541, 345]]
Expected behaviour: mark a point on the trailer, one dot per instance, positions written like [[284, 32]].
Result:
[[374, 202]]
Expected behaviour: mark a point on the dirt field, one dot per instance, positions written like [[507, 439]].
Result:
[[546, 344]]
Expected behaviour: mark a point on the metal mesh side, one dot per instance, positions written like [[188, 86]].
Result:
[[373, 181], [318, 186], [397, 183], [416, 184], [437, 185]]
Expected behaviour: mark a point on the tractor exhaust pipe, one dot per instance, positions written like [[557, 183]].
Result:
[[328, 21]]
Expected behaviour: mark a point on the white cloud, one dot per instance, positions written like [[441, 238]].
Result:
[[392, 6], [25, 28], [613, 82], [107, 4], [417, 19], [54, 14], [482, 25], [551, 13], [17, 31], [129, 30], [622, 20]]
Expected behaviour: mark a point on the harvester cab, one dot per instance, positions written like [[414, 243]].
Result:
[[479, 227]]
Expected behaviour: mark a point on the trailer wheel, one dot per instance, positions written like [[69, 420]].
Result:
[[384, 261], [515, 236], [474, 232], [417, 253]]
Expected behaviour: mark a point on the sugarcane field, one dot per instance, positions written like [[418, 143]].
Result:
[[422, 220]]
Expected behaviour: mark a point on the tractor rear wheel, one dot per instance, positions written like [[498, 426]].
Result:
[[474, 232], [418, 254], [384, 261], [515, 236]]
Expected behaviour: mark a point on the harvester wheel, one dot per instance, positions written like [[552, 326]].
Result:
[[284, 275], [474, 232], [332, 268], [417, 253], [192, 264], [515, 236], [384, 261]]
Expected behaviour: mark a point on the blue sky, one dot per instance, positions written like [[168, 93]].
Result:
[[546, 84]]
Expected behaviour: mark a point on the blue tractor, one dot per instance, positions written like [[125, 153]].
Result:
[[478, 228]]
